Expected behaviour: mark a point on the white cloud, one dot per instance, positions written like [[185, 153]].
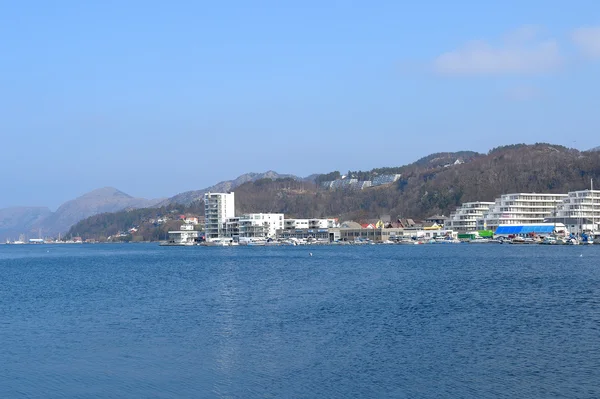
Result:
[[520, 52], [587, 40]]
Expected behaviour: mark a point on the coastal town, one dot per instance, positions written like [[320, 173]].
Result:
[[516, 218]]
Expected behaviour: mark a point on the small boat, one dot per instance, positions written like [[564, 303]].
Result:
[[551, 240], [479, 240], [587, 239]]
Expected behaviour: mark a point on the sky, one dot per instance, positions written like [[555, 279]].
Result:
[[156, 98]]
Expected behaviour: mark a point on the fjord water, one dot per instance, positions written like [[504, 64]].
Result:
[[432, 321]]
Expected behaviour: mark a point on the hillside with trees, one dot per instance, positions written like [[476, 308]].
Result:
[[432, 185]]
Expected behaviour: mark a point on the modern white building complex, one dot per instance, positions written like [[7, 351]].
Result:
[[260, 225], [290, 224], [295, 224], [186, 235], [520, 208], [218, 207], [465, 218], [385, 179], [323, 223], [579, 211]]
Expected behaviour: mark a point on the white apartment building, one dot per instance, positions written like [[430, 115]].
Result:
[[218, 207], [186, 235], [579, 211], [289, 224], [260, 225], [465, 218], [519, 208], [315, 223], [323, 223]]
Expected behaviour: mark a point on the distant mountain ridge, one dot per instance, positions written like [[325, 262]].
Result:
[[15, 221], [34, 221], [188, 197]]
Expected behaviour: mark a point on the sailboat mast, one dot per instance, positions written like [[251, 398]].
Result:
[[593, 208]]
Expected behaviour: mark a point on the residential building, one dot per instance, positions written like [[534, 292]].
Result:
[[186, 235], [361, 185], [319, 235], [232, 228], [465, 217], [519, 208], [436, 219], [579, 211], [260, 225], [289, 224], [371, 234], [322, 223], [385, 179], [218, 207], [343, 184]]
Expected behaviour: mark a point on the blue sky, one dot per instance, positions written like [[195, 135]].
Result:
[[156, 98]]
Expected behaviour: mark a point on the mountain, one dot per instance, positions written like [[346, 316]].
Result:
[[102, 200], [33, 221], [21, 220], [188, 197]]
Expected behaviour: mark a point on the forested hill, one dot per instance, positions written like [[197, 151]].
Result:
[[426, 187]]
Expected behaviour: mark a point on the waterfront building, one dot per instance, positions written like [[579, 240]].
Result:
[[315, 223], [260, 225], [371, 234], [519, 209], [320, 235], [218, 207], [186, 235], [232, 228], [579, 211], [428, 233], [464, 219], [322, 223], [290, 224], [525, 230]]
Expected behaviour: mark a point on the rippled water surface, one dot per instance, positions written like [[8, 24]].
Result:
[[436, 321]]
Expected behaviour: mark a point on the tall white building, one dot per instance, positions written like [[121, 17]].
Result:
[[579, 211], [218, 207], [465, 218], [260, 225], [520, 208]]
